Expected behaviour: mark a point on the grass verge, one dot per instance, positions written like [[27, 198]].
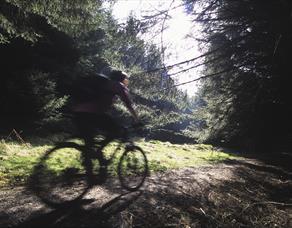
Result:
[[17, 160]]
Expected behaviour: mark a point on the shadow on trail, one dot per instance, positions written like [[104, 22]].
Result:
[[67, 192], [237, 193], [233, 193], [83, 213], [274, 154], [276, 181], [281, 160]]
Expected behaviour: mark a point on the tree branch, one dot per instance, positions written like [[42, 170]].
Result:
[[206, 76]]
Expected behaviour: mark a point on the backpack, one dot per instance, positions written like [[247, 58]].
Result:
[[89, 87]]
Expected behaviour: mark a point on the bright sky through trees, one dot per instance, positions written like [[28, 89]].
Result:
[[177, 38]]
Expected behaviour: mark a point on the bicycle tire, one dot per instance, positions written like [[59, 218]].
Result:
[[133, 168], [57, 186]]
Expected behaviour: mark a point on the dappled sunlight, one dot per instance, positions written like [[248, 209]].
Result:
[[224, 195], [170, 156], [145, 113], [161, 155], [228, 194]]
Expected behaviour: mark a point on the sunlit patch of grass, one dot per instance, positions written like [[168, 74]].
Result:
[[63, 159], [17, 161], [164, 155]]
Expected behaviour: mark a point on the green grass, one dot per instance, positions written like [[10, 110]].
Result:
[[164, 155], [17, 161]]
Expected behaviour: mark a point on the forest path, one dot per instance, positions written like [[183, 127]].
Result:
[[235, 193]]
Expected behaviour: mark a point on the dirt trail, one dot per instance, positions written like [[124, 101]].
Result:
[[236, 193]]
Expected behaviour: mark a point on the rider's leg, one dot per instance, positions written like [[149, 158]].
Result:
[[84, 127], [112, 130]]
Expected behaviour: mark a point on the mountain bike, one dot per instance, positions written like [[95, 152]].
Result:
[[67, 171]]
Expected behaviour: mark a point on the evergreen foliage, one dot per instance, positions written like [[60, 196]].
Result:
[[46, 46], [246, 98], [17, 17], [30, 68]]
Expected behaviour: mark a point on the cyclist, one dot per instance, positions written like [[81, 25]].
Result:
[[91, 112]]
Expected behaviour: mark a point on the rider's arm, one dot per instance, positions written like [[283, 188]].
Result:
[[124, 95]]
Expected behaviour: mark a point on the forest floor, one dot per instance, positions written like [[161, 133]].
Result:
[[239, 192]]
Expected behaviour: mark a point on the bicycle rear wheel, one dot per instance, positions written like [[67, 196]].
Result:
[[133, 168], [60, 176]]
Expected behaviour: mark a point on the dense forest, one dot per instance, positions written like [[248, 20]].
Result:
[[218, 158], [243, 100], [246, 90], [43, 54]]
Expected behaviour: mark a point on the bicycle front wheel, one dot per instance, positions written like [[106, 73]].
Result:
[[133, 168], [60, 176]]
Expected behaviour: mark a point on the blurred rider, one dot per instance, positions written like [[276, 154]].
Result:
[[91, 112]]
